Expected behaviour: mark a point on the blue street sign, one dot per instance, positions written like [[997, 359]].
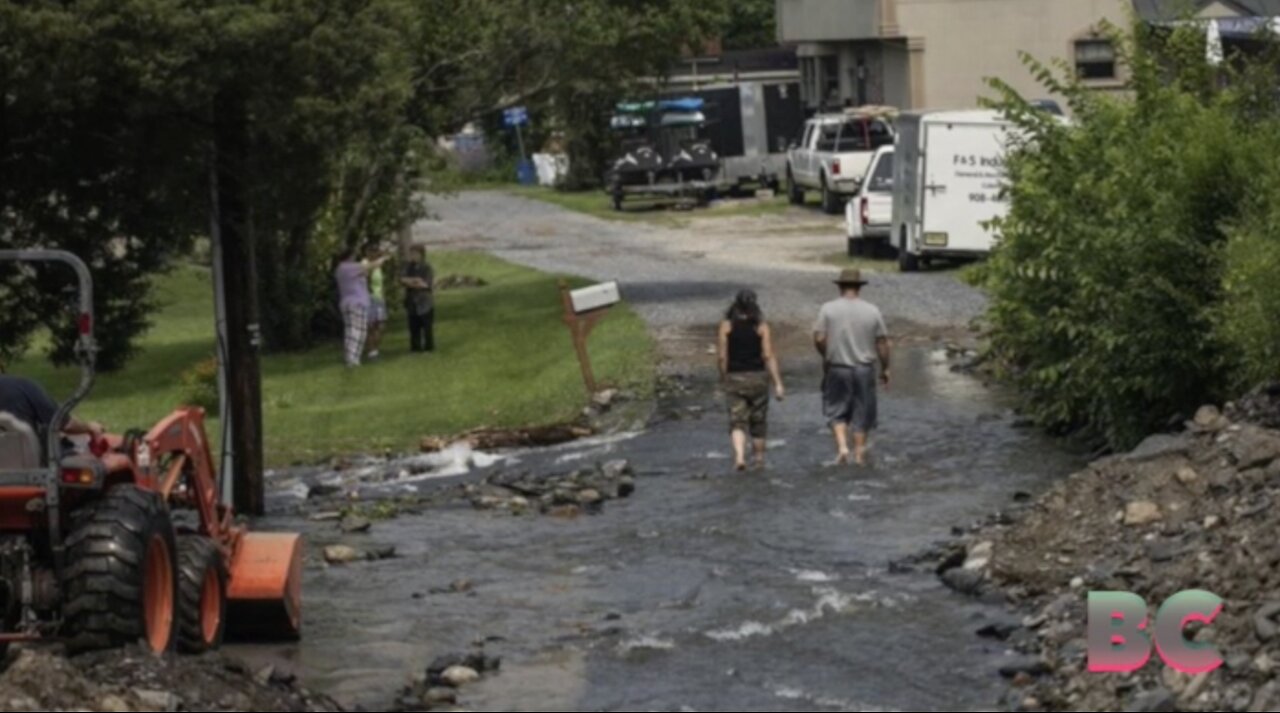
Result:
[[516, 116]]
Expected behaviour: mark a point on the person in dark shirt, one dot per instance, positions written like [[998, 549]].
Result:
[[748, 365], [26, 401], [419, 280]]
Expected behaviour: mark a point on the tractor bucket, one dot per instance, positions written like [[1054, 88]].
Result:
[[264, 593]]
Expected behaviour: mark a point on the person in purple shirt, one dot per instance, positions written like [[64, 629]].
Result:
[[355, 302]]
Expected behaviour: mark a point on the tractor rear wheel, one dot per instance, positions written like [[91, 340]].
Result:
[[202, 595], [121, 579]]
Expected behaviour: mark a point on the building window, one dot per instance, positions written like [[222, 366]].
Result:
[[1096, 59], [809, 92]]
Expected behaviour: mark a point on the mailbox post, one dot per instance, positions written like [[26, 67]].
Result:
[[583, 310]]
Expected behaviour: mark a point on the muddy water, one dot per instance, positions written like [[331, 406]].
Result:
[[705, 591]]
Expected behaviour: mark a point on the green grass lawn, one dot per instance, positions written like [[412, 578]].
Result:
[[504, 359]]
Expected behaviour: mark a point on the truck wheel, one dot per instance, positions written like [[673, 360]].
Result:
[[830, 199], [794, 191], [908, 261], [202, 595], [121, 579], [857, 247]]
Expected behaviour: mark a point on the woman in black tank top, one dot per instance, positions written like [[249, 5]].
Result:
[[747, 365]]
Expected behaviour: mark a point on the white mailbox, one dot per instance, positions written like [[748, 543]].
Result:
[[596, 297]]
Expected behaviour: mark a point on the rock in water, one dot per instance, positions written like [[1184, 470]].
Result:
[[565, 512], [964, 581], [353, 525], [459, 676], [340, 554], [616, 469], [440, 697]]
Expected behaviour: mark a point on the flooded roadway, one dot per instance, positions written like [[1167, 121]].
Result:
[[706, 590]]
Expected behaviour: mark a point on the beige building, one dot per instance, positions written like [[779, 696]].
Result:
[[938, 54]]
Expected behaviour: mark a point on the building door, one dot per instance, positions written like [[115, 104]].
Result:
[[784, 116]]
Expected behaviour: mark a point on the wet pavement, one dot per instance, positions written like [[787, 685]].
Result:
[[706, 590]]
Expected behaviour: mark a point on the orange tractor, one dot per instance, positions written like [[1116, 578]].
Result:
[[128, 539]]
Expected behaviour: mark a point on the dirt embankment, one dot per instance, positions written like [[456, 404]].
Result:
[[1196, 510], [39, 680]]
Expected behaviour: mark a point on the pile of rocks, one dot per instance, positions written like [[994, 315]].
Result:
[[1200, 509], [438, 688], [567, 496], [1261, 407], [37, 680]]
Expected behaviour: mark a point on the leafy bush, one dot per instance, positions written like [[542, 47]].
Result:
[[1108, 282], [1250, 313], [200, 385]]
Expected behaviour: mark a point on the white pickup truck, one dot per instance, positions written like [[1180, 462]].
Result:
[[835, 153]]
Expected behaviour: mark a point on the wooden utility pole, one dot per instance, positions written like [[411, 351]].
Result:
[[237, 291]]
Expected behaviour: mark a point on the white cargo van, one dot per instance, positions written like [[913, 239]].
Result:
[[949, 179]]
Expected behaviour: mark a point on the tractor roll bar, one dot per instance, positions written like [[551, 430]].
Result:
[[86, 347]]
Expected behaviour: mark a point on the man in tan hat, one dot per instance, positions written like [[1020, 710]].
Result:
[[851, 337]]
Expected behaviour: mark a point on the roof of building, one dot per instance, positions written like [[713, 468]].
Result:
[[1162, 10]]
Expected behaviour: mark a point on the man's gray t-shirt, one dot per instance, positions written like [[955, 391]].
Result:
[[853, 327]]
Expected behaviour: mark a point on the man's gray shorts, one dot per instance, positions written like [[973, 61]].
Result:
[[849, 396]]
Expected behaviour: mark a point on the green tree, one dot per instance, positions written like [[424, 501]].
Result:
[[87, 163], [109, 128], [570, 62], [1108, 280], [752, 24]]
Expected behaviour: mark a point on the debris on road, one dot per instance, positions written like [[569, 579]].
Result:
[[133, 680], [343, 555], [490, 439], [581, 491], [439, 687], [1190, 511]]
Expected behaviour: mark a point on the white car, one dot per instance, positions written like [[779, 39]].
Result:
[[869, 215]]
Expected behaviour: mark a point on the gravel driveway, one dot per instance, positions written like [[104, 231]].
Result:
[[680, 279]]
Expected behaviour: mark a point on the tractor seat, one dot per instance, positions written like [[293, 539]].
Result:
[[19, 446]]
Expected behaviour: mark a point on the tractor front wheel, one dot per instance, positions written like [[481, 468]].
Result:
[[121, 579], [202, 595]]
